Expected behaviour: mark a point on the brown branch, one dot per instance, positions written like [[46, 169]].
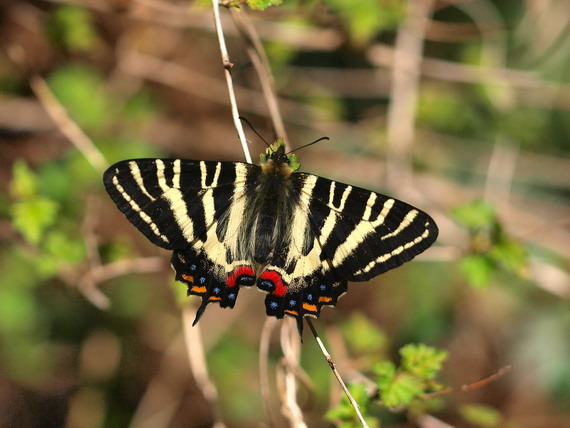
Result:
[[470, 386], [257, 55], [198, 365], [405, 85], [291, 346], [264, 342]]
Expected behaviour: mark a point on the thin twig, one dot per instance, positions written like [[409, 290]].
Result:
[[336, 373], [67, 126], [264, 341], [165, 392], [227, 67], [470, 386], [198, 365], [290, 344], [259, 60]]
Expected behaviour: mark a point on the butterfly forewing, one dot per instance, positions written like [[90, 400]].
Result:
[[363, 233], [173, 202]]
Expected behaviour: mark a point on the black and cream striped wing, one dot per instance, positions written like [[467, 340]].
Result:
[[360, 233], [174, 202]]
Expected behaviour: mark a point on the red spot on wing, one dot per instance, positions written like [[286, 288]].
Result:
[[237, 272], [280, 288]]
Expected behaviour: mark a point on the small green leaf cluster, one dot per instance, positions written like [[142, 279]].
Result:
[[398, 388], [491, 249], [35, 215]]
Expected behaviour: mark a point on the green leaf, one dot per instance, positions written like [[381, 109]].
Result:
[[24, 182], [385, 372], [401, 391], [32, 217], [263, 4], [482, 416], [477, 269], [422, 361]]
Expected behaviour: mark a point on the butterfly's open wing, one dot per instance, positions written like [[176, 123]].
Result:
[[341, 233], [363, 233], [173, 202], [188, 206]]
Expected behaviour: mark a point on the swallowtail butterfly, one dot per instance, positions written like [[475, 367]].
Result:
[[296, 236]]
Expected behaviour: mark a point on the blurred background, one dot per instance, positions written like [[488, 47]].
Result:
[[460, 107]]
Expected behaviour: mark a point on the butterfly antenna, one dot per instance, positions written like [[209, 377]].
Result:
[[307, 145], [243, 119]]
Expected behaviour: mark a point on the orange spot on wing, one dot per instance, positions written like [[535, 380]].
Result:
[[188, 278], [197, 289], [214, 298], [309, 307], [325, 299], [294, 313]]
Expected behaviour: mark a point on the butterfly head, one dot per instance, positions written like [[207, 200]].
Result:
[[277, 161]]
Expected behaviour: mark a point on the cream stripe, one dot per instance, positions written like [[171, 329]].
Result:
[[203, 174], [300, 220], [136, 173], [343, 198], [236, 209], [209, 207], [180, 210], [176, 170], [217, 174], [160, 175], [138, 210], [405, 223], [369, 204]]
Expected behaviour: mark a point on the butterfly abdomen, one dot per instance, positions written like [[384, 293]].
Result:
[[269, 208]]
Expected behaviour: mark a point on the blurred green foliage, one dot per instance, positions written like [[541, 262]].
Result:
[[366, 18], [481, 416], [491, 249]]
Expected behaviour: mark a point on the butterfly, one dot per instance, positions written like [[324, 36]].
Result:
[[296, 236]]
